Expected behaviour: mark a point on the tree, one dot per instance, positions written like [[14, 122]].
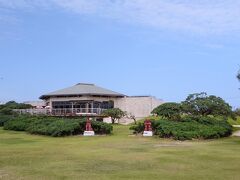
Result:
[[9, 106], [171, 111], [237, 112], [15, 105], [133, 117], [114, 113], [202, 104]]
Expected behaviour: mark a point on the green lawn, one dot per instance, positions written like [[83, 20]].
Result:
[[119, 156]]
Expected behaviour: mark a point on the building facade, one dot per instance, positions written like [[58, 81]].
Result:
[[36, 104], [88, 99]]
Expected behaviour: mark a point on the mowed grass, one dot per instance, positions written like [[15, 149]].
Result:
[[119, 156]]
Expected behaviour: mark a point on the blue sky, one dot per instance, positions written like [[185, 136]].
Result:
[[165, 48]]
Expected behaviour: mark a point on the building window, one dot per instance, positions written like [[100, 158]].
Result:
[[61, 104], [107, 105], [83, 104]]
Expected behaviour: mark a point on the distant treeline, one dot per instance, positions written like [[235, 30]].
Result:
[[7, 108]]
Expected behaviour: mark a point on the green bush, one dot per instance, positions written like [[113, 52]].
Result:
[[19, 123], [137, 128], [51, 126], [171, 111], [191, 127], [101, 128], [6, 111], [4, 119], [66, 127]]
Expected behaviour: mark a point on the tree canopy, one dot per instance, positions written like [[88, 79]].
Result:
[[199, 104], [114, 113], [202, 104], [9, 106], [170, 111]]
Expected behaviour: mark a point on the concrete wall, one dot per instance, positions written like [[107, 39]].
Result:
[[138, 106]]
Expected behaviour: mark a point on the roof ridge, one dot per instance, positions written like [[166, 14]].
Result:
[[88, 84]]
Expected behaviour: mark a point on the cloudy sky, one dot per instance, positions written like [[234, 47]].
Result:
[[166, 48]]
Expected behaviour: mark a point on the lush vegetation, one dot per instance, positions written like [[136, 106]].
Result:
[[171, 111], [115, 114], [120, 156], [204, 105], [6, 109], [198, 117], [199, 104], [235, 121], [237, 112], [190, 127], [4, 118], [51, 126]]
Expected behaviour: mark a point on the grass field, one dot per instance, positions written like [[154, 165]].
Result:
[[119, 156]]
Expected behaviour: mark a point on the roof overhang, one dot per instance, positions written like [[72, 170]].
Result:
[[44, 97]]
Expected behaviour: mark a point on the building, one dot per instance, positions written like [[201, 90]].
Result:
[[36, 104], [88, 99]]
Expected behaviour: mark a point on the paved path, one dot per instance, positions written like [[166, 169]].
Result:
[[237, 126], [236, 133]]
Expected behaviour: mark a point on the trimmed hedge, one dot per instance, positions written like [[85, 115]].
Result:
[[54, 126], [189, 128]]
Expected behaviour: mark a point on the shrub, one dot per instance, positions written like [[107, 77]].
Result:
[[6, 111], [54, 126], [139, 127], [191, 127], [5, 118], [101, 127], [171, 111], [20, 123], [66, 127]]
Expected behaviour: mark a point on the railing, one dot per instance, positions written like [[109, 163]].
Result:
[[62, 111], [33, 111]]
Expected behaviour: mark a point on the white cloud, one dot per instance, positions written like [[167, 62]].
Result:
[[196, 17]]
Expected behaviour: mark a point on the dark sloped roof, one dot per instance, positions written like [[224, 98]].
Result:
[[83, 89]]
